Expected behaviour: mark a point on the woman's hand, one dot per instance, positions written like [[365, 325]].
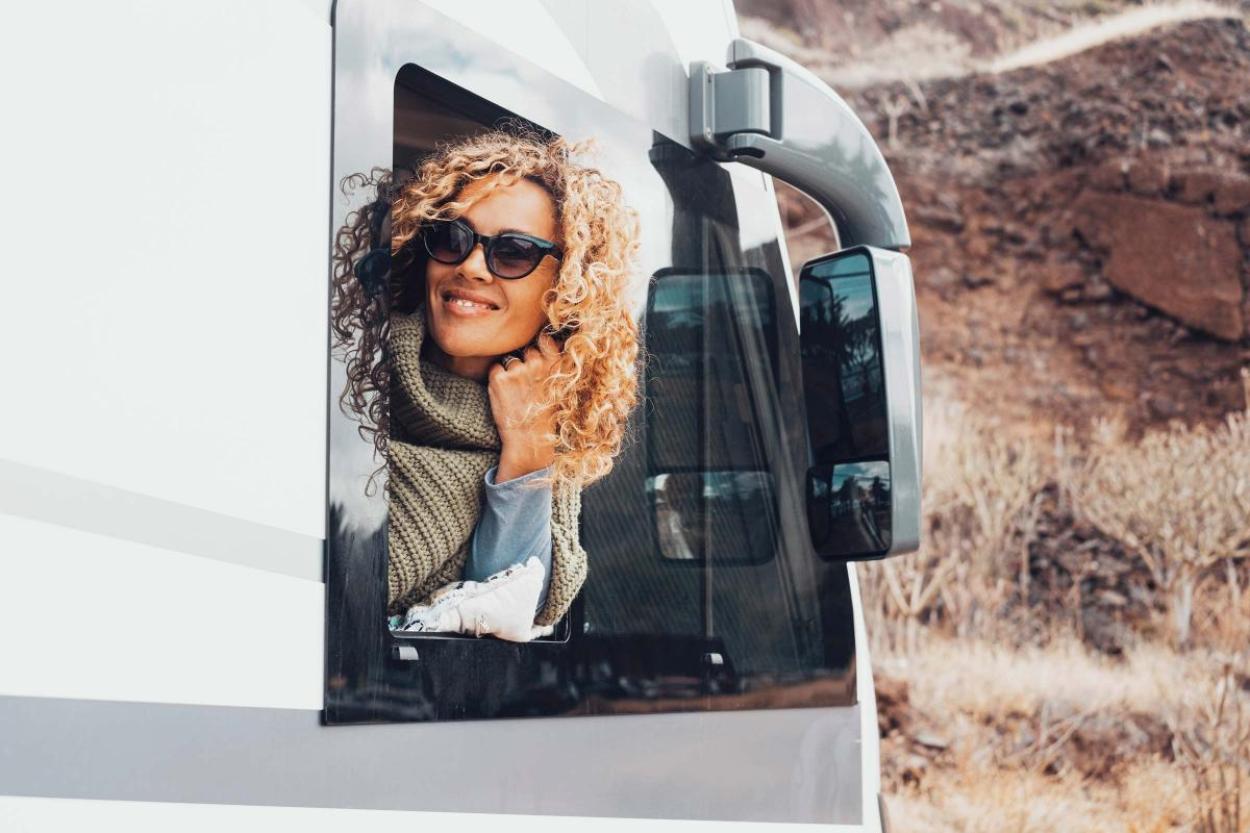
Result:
[[528, 439]]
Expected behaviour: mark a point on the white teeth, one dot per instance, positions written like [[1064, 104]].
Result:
[[461, 302]]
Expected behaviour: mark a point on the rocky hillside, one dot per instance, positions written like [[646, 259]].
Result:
[[854, 42], [1081, 228]]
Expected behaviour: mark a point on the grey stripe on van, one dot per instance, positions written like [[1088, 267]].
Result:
[[42, 495], [792, 765]]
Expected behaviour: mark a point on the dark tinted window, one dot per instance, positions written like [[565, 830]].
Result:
[[703, 564]]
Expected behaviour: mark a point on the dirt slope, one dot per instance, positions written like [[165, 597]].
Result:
[[1081, 228]]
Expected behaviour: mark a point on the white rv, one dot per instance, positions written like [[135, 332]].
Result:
[[191, 633]]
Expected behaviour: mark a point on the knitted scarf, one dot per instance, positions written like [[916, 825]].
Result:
[[443, 440]]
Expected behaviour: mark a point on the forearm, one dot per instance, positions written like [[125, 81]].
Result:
[[515, 524]]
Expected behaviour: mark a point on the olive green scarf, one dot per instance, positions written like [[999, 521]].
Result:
[[442, 442]]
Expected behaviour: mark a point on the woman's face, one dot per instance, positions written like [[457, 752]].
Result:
[[474, 317]]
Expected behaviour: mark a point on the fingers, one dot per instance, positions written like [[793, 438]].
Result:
[[543, 352], [548, 346], [509, 365], [546, 352]]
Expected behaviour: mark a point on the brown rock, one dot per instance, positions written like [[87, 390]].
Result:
[[941, 278], [1245, 304], [940, 217], [1177, 259], [1117, 392], [894, 712], [1148, 177], [1108, 176], [1104, 743], [977, 246], [1162, 407], [1232, 194], [1098, 290], [1196, 186], [1056, 276], [931, 741]]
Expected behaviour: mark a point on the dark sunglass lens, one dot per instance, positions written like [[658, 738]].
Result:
[[447, 242], [515, 256], [373, 269]]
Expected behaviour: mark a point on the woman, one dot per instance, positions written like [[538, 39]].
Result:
[[493, 363]]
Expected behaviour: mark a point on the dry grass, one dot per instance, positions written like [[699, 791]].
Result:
[[995, 801], [987, 680], [1012, 726], [980, 501], [1060, 738], [1213, 742], [1179, 500]]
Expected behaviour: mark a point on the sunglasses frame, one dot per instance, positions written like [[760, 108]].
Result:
[[373, 270], [489, 241]]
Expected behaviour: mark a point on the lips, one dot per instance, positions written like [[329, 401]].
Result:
[[463, 299]]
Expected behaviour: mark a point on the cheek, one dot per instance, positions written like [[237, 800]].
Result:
[[525, 305], [432, 273]]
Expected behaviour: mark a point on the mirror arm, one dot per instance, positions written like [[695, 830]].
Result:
[[770, 113]]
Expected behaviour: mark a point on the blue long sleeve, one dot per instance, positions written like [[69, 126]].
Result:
[[515, 524]]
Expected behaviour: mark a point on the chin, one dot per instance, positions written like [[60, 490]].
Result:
[[455, 342], [464, 340], [476, 337]]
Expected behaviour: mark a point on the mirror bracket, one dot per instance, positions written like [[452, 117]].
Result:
[[770, 113]]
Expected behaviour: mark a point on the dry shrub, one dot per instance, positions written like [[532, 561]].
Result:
[[1213, 743], [1037, 731], [1222, 612], [1179, 499], [980, 496]]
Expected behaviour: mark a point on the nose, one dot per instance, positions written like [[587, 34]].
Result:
[[474, 265]]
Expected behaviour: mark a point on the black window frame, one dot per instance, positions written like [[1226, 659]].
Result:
[[374, 675]]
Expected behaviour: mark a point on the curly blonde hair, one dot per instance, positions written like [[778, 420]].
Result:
[[593, 388]]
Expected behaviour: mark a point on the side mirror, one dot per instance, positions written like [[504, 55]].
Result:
[[860, 345]]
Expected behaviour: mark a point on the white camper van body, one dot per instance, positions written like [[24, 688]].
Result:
[[163, 445]]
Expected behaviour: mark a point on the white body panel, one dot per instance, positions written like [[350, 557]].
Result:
[[162, 484]]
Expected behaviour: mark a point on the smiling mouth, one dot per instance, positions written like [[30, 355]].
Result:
[[458, 301]]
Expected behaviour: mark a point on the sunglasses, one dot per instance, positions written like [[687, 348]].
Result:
[[374, 271], [509, 255]]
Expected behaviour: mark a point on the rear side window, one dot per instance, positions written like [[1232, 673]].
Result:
[[701, 591]]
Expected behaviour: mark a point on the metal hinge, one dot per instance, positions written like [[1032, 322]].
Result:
[[727, 102], [768, 112]]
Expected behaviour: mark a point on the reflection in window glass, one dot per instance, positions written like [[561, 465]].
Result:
[[729, 590], [849, 508]]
